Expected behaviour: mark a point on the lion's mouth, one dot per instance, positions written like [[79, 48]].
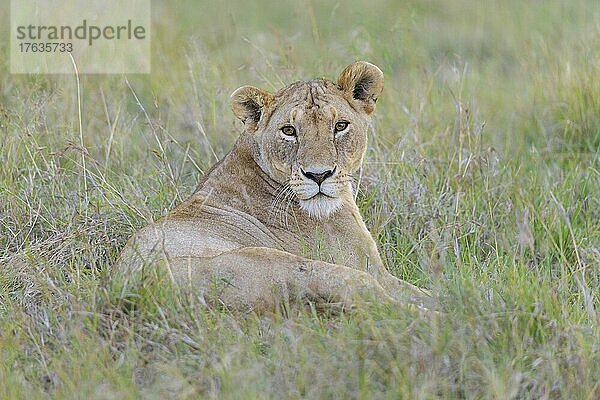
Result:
[[321, 194], [321, 205], [313, 193]]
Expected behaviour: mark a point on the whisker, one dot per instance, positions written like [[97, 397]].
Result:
[[289, 202], [283, 197], [280, 193]]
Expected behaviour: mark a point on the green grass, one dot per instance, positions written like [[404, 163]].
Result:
[[482, 183]]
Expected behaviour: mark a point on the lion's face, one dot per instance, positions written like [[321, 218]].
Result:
[[312, 135]]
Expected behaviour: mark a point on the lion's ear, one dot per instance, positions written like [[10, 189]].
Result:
[[363, 81], [247, 103]]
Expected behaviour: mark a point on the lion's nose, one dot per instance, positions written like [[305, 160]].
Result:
[[318, 177]]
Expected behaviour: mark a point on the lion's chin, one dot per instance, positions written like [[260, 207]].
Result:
[[321, 206]]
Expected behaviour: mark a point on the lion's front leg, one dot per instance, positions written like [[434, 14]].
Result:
[[262, 278], [403, 291]]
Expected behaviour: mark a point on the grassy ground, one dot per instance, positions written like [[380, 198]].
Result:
[[482, 183]]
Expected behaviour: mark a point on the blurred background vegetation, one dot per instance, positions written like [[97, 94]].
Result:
[[482, 183]]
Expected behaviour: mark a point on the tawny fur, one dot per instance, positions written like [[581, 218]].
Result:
[[258, 229]]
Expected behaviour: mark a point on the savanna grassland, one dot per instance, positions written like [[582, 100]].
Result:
[[482, 183]]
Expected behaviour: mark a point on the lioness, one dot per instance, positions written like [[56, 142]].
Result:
[[275, 220]]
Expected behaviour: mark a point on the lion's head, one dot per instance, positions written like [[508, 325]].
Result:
[[312, 135]]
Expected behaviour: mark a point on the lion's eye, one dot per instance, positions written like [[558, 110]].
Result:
[[341, 126], [288, 130]]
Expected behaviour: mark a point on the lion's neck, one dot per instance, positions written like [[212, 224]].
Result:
[[238, 182]]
